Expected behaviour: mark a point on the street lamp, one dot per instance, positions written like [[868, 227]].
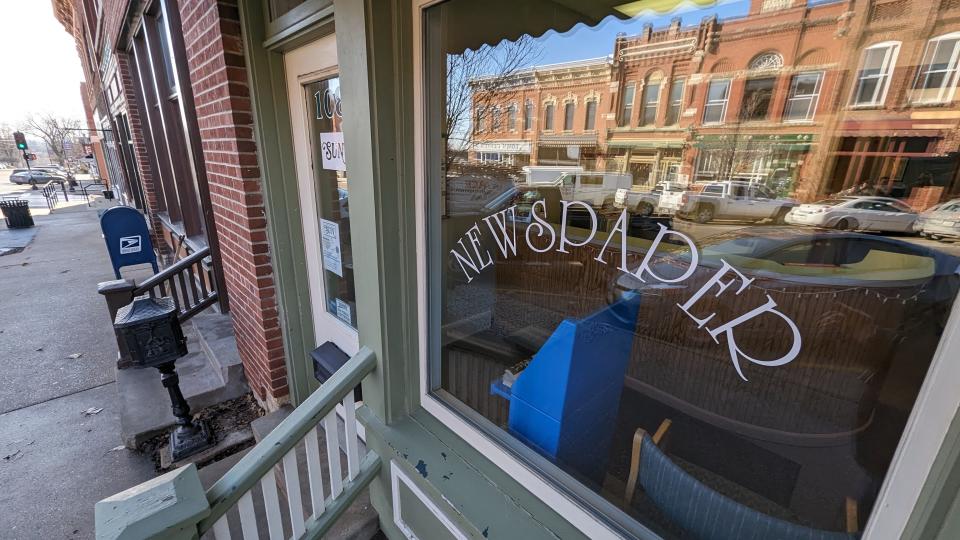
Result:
[[152, 333]]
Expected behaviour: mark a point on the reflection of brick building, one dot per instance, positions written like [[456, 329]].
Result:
[[808, 99]]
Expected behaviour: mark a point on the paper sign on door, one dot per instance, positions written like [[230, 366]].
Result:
[[330, 242], [331, 151]]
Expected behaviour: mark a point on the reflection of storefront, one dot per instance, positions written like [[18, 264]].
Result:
[[891, 165], [515, 153], [648, 161], [579, 150], [774, 160]]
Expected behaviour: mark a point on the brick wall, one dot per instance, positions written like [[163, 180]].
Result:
[[138, 124], [218, 77]]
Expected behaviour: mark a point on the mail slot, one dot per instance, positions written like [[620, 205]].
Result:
[[327, 359]]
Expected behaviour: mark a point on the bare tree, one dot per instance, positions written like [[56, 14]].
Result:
[[8, 147], [476, 79], [54, 131]]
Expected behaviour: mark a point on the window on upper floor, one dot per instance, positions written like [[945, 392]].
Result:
[[527, 116], [718, 94], [802, 99], [512, 117], [937, 78], [495, 119], [590, 120], [548, 117], [876, 69], [479, 120], [626, 106], [651, 100], [757, 94], [568, 111], [675, 104]]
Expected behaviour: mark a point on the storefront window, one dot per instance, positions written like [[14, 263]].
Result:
[[713, 317]]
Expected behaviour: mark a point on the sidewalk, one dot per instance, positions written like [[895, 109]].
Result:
[[59, 356]]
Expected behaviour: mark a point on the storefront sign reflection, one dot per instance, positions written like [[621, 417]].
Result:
[[472, 258]]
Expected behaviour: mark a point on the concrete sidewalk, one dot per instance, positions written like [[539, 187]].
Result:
[[59, 355]]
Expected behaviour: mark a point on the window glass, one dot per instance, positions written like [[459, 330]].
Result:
[[512, 117], [568, 110], [716, 107], [676, 97], [804, 93], [333, 203], [756, 99], [590, 121], [874, 76], [748, 306], [937, 77], [626, 107], [651, 98]]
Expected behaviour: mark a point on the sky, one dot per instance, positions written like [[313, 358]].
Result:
[[42, 71]]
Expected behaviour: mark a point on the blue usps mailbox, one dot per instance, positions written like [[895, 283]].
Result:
[[128, 240]]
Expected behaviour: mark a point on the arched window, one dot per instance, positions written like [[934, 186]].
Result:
[[527, 115], [651, 99], [937, 76], [590, 118], [512, 117], [568, 110], [548, 117], [767, 60]]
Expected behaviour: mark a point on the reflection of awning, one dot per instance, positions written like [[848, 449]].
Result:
[[568, 140], [504, 147], [645, 143]]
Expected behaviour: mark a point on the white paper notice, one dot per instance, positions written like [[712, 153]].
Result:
[[343, 311], [330, 241], [331, 151]]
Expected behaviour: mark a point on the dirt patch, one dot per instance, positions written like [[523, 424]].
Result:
[[223, 418]]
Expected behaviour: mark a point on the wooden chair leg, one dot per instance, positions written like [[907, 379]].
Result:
[[853, 519], [635, 458], [634, 467]]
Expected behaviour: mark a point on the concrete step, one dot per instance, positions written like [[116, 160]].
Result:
[[209, 374]]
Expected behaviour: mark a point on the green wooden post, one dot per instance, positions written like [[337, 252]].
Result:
[[168, 507]]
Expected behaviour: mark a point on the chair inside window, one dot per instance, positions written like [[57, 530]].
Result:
[[701, 510]]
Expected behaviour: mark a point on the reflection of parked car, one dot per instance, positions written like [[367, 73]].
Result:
[[856, 213], [733, 200], [941, 221], [594, 188], [862, 303], [664, 197], [36, 176], [58, 170]]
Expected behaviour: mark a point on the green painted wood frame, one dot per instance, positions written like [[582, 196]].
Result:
[[376, 68]]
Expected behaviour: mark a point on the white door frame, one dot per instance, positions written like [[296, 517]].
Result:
[[309, 63]]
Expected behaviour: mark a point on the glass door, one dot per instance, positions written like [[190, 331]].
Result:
[[313, 88]]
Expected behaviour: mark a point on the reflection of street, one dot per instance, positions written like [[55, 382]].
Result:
[[701, 231]]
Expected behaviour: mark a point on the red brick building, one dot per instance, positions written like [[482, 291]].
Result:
[[167, 84], [779, 96]]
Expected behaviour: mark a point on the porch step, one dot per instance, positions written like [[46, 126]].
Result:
[[210, 373]]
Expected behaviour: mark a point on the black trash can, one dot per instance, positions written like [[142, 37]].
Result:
[[17, 214]]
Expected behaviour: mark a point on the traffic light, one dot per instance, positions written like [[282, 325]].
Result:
[[20, 140]]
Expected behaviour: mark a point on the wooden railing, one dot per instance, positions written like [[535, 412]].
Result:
[[189, 281], [175, 505]]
